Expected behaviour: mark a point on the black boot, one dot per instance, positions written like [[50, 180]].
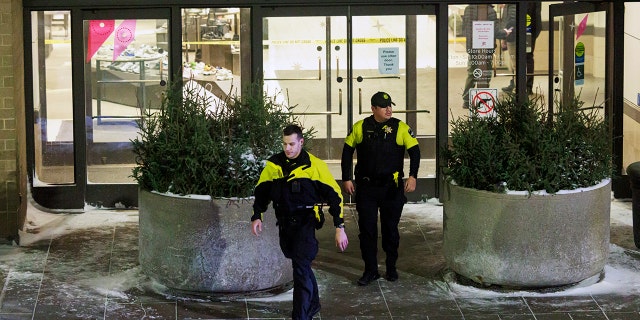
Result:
[[392, 274], [367, 277], [510, 87]]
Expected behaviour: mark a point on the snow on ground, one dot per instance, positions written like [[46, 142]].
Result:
[[621, 274]]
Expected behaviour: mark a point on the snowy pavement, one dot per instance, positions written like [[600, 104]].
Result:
[[84, 266]]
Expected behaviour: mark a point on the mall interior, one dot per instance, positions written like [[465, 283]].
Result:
[[77, 76]]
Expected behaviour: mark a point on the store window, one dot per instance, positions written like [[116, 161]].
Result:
[[479, 61], [482, 55], [211, 49], [52, 97], [126, 63]]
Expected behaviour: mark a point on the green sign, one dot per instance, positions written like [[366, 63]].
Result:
[[579, 63], [579, 52]]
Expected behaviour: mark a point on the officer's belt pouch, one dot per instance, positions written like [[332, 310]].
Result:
[[302, 217], [319, 216], [296, 218], [375, 181]]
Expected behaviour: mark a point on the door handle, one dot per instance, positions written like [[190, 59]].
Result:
[[399, 111], [361, 78], [496, 74], [412, 111]]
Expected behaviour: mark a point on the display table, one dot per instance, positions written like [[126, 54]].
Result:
[[220, 88], [218, 53], [128, 71]]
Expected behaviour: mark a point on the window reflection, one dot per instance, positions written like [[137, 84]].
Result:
[[500, 76], [52, 97], [211, 49], [126, 62]]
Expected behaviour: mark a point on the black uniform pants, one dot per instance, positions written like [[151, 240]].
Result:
[[389, 199], [298, 243]]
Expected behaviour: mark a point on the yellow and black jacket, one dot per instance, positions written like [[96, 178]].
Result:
[[380, 148], [297, 185]]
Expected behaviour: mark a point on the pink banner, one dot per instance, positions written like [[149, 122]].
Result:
[[125, 33], [99, 31], [582, 26]]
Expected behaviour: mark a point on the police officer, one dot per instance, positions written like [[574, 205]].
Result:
[[380, 141], [297, 182]]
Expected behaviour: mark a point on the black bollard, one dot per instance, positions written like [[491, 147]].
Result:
[[633, 170]]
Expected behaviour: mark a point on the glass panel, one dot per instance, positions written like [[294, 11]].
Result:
[[538, 66], [426, 74], [475, 55], [579, 41], [536, 40], [457, 60], [631, 91], [211, 48], [426, 92], [126, 73], [396, 54], [52, 97], [379, 62], [501, 74], [337, 64], [295, 62]]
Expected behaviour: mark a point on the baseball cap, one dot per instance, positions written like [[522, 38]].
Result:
[[381, 99]]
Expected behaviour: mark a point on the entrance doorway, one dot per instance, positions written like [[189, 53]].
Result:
[[329, 61], [84, 118], [578, 51]]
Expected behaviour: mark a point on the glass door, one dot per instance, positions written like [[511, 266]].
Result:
[[51, 143], [329, 61], [126, 59], [84, 118], [577, 53], [305, 61], [586, 59]]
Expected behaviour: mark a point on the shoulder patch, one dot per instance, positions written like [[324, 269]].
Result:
[[413, 135]]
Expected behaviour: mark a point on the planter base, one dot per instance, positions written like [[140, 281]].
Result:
[[526, 241], [201, 247], [451, 277], [229, 296]]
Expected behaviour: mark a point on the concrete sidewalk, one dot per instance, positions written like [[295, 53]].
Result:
[[85, 266]]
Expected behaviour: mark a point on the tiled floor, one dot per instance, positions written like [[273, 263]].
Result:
[[85, 266]]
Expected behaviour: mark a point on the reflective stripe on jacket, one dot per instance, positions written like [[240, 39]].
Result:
[[297, 185]]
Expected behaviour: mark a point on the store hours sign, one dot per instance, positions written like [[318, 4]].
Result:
[[388, 60]]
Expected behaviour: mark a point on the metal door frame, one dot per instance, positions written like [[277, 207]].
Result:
[[427, 186], [614, 64], [74, 196]]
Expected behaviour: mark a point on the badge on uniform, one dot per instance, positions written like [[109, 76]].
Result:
[[387, 130]]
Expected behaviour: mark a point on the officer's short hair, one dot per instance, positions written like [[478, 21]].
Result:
[[291, 129]]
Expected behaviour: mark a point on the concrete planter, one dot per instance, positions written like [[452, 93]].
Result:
[[526, 241], [206, 246]]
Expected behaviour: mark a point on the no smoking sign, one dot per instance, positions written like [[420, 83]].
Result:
[[483, 100]]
